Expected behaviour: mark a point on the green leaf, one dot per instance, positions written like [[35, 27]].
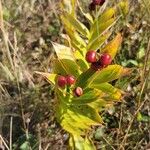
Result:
[[65, 67], [86, 98], [78, 143], [99, 133], [86, 114], [48, 76], [87, 15], [112, 47], [69, 6], [96, 44], [141, 53], [124, 7], [75, 24], [82, 79], [63, 52], [112, 92], [25, 146], [75, 118], [108, 14], [100, 28], [77, 42], [107, 74], [75, 39], [80, 60], [143, 118], [98, 104]]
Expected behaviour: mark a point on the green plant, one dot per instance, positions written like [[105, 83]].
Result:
[[79, 105]]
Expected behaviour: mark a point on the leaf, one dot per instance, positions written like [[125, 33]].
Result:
[[78, 143], [111, 91], [65, 67], [97, 31], [141, 53], [124, 7], [76, 24], [48, 76], [95, 44], [87, 15], [86, 98], [107, 15], [74, 36], [82, 79], [99, 133], [86, 114], [63, 52], [69, 6], [80, 60], [107, 74], [98, 104], [143, 118], [112, 47], [75, 118], [77, 42], [25, 146]]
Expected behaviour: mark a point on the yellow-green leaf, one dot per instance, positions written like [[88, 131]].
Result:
[[98, 104], [63, 52], [69, 6], [80, 60], [96, 44], [108, 14], [79, 143], [76, 24], [82, 79], [75, 118], [109, 90], [48, 76], [107, 74], [124, 7], [112, 47], [88, 97], [87, 15], [65, 66], [100, 28]]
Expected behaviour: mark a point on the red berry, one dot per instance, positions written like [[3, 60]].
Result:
[[70, 79], [78, 91], [61, 81], [98, 2], [91, 56], [92, 6], [105, 59]]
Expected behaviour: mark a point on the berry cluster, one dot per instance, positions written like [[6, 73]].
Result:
[[69, 80], [62, 81], [93, 4], [98, 62]]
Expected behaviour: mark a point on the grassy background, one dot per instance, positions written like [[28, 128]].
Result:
[[26, 100]]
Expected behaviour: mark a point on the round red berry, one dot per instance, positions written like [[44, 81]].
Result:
[[78, 91], [70, 79], [91, 56], [61, 81], [105, 59], [98, 2]]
